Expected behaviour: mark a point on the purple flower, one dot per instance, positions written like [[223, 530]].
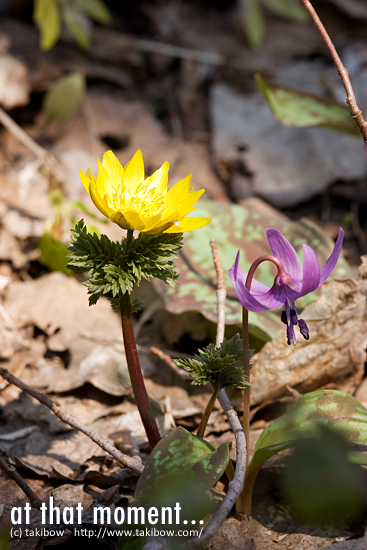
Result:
[[291, 282]]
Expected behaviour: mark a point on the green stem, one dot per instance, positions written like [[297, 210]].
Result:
[[137, 381], [207, 412], [129, 237]]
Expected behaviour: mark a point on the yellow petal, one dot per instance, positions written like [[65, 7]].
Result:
[[177, 190], [103, 181], [114, 169], [100, 201], [159, 179], [85, 180], [187, 204], [134, 172], [128, 220], [188, 224]]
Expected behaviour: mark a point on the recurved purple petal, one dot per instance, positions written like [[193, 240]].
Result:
[[330, 263], [284, 251], [272, 299], [236, 272]]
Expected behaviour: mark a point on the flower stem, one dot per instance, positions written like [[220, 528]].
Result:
[[243, 504], [207, 412], [129, 237], [137, 381]]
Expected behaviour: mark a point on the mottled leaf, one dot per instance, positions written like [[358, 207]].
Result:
[[53, 253], [239, 227], [181, 458], [300, 109], [48, 17], [288, 9], [64, 97], [333, 409], [96, 9]]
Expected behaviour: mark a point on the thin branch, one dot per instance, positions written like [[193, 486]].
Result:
[[343, 73], [235, 487], [12, 472], [66, 417], [212, 58], [170, 362], [221, 294]]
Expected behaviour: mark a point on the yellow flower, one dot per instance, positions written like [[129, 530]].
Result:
[[125, 197]]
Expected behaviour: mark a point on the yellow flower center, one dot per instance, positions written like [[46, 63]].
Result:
[[145, 200]]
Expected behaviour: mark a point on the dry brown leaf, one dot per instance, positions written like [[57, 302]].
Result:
[[335, 353], [14, 84], [58, 305]]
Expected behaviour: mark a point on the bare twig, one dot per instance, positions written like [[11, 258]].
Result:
[[21, 135], [66, 417], [170, 362], [235, 487], [343, 73], [212, 58], [12, 472], [221, 294]]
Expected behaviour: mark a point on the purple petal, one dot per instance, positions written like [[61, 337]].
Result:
[[330, 263], [284, 251], [232, 272], [236, 272], [273, 298], [311, 275]]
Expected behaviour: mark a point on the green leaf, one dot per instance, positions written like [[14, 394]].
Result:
[[96, 9], [117, 266], [181, 460], [300, 109], [48, 17], [239, 227], [221, 366], [337, 410], [320, 484], [64, 97], [54, 254], [5, 536], [292, 10], [78, 25], [253, 22]]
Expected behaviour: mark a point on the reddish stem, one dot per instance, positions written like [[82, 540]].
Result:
[[137, 381], [242, 502]]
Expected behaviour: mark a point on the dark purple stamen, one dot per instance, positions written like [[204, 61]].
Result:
[[283, 318], [303, 329], [294, 317], [291, 336]]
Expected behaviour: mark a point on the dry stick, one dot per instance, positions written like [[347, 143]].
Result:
[[221, 294], [12, 472], [66, 417], [170, 362], [235, 487], [343, 73]]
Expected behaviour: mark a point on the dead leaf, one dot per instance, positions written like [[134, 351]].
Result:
[[14, 84], [335, 353], [58, 305]]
